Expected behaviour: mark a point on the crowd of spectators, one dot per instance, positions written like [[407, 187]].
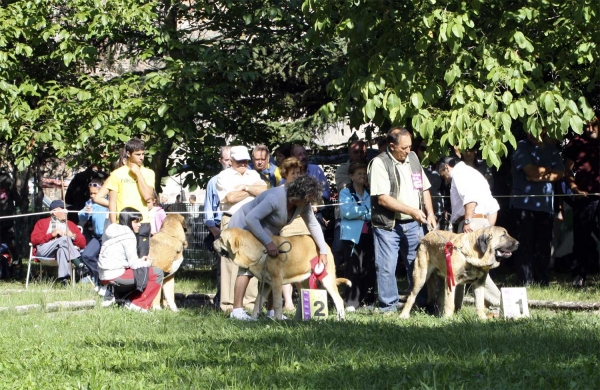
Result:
[[386, 205]]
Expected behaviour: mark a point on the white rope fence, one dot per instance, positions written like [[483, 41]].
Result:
[[201, 212]]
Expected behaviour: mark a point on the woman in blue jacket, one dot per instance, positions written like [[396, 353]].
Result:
[[357, 238]]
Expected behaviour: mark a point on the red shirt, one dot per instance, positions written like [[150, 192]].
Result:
[[40, 234]]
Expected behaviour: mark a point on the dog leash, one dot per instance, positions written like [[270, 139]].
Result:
[[448, 250], [265, 256]]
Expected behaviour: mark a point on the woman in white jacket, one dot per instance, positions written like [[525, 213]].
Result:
[[119, 263]]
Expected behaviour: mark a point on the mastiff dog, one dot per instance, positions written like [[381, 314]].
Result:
[[473, 255], [245, 250], [166, 253]]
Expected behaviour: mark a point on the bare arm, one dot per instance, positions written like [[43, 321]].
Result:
[[570, 178], [241, 192], [429, 209], [100, 197], [394, 205], [112, 206], [536, 174], [469, 212], [146, 191], [236, 196]]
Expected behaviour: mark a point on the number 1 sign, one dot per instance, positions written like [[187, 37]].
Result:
[[514, 302], [313, 304]]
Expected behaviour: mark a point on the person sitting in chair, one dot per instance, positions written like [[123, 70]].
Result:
[[55, 237], [119, 263]]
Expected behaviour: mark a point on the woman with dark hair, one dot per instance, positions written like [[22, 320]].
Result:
[[266, 215], [119, 263]]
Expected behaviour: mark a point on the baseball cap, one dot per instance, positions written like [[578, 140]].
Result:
[[57, 204], [239, 153]]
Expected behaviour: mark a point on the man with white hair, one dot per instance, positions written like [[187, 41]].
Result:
[[57, 237], [236, 186]]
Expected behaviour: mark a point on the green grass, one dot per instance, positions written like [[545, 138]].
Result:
[[110, 348]]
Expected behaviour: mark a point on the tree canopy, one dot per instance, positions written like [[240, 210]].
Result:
[[80, 77], [462, 72]]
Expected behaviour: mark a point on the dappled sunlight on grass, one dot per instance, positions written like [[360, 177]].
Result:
[[202, 348]]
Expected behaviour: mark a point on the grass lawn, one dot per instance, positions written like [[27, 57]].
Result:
[[110, 348]]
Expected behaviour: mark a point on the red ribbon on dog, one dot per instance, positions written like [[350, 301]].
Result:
[[448, 248], [312, 280]]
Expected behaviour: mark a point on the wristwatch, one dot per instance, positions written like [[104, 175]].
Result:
[[467, 221]]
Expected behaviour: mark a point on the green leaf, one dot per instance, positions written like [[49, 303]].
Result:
[[507, 97], [576, 124], [417, 100], [549, 104], [519, 85], [506, 121], [370, 109], [162, 109]]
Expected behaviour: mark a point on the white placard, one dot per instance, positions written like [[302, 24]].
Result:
[[514, 302]]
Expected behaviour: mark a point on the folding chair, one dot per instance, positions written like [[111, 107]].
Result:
[[43, 261]]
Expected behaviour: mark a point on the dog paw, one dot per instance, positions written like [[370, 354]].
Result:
[[404, 316]]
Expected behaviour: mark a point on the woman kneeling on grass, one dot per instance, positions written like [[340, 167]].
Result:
[[119, 263]]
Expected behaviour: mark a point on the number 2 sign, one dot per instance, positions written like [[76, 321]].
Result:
[[514, 302], [314, 304]]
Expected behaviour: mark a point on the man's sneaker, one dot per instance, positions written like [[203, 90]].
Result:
[[133, 307], [271, 314], [109, 298], [350, 309], [240, 314]]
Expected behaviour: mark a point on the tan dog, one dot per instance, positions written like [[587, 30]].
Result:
[[473, 256], [166, 252], [246, 251]]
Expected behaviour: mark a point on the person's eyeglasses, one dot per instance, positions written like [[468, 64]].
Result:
[[96, 185], [423, 148]]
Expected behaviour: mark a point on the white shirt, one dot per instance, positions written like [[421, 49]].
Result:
[[468, 185], [228, 179]]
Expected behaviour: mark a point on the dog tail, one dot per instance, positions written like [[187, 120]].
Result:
[[345, 281]]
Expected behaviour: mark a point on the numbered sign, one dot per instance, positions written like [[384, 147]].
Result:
[[314, 304], [514, 302]]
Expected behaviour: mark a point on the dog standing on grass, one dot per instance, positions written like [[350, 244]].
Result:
[[166, 252], [474, 254], [246, 251]]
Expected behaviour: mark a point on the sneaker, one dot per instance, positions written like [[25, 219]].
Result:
[[271, 314], [109, 298], [108, 301], [102, 291], [133, 307], [350, 309], [240, 314]]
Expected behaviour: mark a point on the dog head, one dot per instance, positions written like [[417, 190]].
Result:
[[174, 221], [240, 246], [494, 243]]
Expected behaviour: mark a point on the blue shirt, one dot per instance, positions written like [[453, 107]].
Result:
[[546, 156], [98, 216], [266, 174], [212, 215]]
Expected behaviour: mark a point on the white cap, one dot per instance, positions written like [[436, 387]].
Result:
[[239, 153]]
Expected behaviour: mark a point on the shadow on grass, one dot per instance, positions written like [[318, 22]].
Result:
[[371, 351]]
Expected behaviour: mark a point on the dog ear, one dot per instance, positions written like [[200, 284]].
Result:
[[483, 241]]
